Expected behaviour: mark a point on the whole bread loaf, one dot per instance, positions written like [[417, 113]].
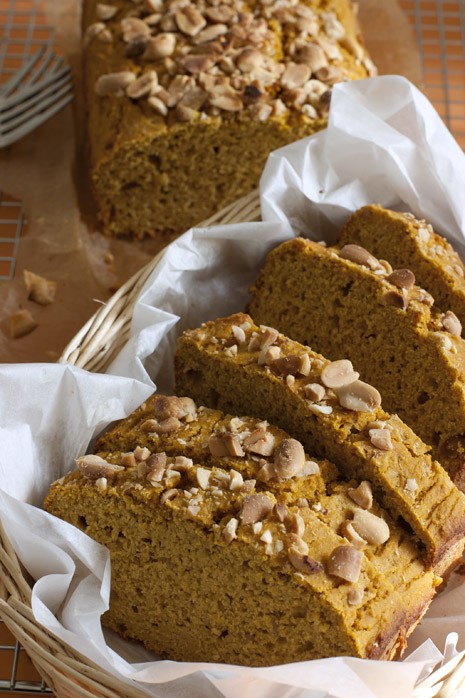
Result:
[[186, 98], [245, 550]]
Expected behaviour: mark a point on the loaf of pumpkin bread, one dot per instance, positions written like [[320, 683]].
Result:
[[229, 543], [234, 365], [408, 242], [186, 99]]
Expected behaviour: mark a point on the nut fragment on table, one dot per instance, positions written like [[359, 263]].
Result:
[[21, 324], [39, 289]]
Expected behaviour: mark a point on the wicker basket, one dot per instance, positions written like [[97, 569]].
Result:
[[67, 672]]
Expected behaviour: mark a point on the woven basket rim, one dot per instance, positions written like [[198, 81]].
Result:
[[66, 671]]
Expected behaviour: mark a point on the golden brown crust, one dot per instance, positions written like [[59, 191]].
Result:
[[406, 241], [216, 524], [409, 349], [168, 156], [409, 483]]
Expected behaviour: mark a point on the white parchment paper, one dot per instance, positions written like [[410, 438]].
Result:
[[385, 144]]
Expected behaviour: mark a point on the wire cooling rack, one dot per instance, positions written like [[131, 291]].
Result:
[[440, 36], [13, 225], [439, 29], [23, 31]]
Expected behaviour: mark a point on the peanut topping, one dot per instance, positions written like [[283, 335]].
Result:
[[154, 5], [105, 12], [314, 391], [225, 444], [452, 324], [311, 468], [232, 46], [101, 484], [312, 55], [348, 531], [188, 409], [355, 597], [168, 495], [160, 46], [249, 59], [288, 365], [268, 355], [295, 75], [237, 481], [268, 336], [372, 528], [402, 278], [114, 83], [211, 33], [381, 438], [155, 467], [164, 407], [305, 365], [141, 453], [220, 13], [362, 495], [203, 477], [281, 511], [197, 63], [295, 524], [394, 299], [289, 458], [239, 334], [158, 106], [95, 467], [254, 508], [359, 255], [226, 98], [230, 530], [359, 397], [189, 20], [320, 409], [93, 30], [165, 426], [266, 472], [143, 86], [260, 441], [128, 460], [345, 562], [411, 485], [338, 374], [134, 28], [386, 266], [303, 563]]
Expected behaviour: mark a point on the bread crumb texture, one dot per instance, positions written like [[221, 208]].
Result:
[[345, 424], [390, 328], [247, 550]]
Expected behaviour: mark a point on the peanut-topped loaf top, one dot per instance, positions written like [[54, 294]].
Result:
[[196, 541], [346, 303], [241, 367], [405, 241], [179, 90]]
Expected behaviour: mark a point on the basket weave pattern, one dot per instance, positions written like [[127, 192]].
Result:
[[66, 672]]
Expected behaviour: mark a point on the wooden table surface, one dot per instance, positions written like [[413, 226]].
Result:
[[439, 29]]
